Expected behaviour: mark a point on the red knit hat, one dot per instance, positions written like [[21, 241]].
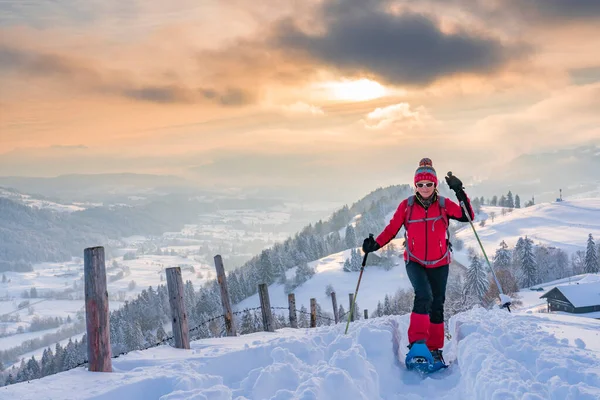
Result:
[[426, 172]]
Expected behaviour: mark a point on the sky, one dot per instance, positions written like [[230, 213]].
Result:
[[320, 92]]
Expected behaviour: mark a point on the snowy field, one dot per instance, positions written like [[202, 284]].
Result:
[[376, 282], [565, 225], [494, 355]]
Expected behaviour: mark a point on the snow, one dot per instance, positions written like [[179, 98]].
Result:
[[40, 203], [376, 282], [582, 295], [494, 355], [565, 225]]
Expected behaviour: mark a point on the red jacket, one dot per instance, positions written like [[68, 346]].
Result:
[[426, 239]]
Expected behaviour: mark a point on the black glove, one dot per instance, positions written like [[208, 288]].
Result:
[[370, 245], [454, 183]]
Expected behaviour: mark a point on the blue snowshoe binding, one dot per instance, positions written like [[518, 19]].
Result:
[[421, 359]]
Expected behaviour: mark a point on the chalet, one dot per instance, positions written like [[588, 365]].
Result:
[[577, 298]]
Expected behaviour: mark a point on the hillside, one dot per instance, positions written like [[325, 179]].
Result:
[[29, 234], [494, 355], [565, 225]]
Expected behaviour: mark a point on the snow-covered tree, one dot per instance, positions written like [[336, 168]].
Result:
[[303, 320], [578, 262], [387, 306], [350, 238], [591, 256], [329, 289], [502, 201], [355, 260], [502, 258], [509, 200], [529, 272], [303, 273], [517, 201], [266, 273], [476, 280], [347, 266], [517, 254]]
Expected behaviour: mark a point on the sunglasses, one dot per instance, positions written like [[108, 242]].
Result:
[[428, 184]]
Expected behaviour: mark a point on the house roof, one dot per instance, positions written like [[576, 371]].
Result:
[[580, 294]]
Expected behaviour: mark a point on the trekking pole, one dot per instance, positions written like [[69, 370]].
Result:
[[356, 291], [504, 299]]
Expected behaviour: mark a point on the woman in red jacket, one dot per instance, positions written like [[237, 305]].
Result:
[[427, 255]]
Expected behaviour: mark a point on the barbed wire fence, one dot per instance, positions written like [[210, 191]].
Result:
[[194, 335], [97, 319]]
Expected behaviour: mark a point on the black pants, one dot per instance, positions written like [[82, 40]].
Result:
[[430, 290]]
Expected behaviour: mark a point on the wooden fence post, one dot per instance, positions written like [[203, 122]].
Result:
[[366, 313], [222, 280], [313, 313], [181, 330], [292, 306], [350, 310], [335, 308], [265, 306], [96, 311]]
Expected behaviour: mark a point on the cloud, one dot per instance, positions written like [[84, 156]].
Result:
[[68, 147], [80, 74], [567, 118], [302, 108], [408, 48], [397, 116]]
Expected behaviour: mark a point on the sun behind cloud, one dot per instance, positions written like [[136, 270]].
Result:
[[355, 90]]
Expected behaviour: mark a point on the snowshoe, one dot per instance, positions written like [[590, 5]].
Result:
[[438, 361], [419, 357]]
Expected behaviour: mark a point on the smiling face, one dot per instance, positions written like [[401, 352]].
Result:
[[425, 188]]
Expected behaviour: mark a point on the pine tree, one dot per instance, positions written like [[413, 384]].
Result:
[[476, 281], [379, 310], [35, 372], [341, 312], [591, 257], [509, 200], [266, 273], [502, 201], [59, 355], [387, 306], [517, 254], [303, 321], [517, 201], [502, 258], [47, 362], [529, 276], [355, 260], [350, 238], [494, 201], [70, 356], [347, 266]]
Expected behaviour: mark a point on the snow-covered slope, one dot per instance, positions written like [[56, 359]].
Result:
[[494, 355], [565, 225], [40, 203], [375, 284]]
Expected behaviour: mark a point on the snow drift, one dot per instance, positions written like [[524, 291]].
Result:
[[494, 355]]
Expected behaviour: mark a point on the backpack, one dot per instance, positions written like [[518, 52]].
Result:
[[443, 215]]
